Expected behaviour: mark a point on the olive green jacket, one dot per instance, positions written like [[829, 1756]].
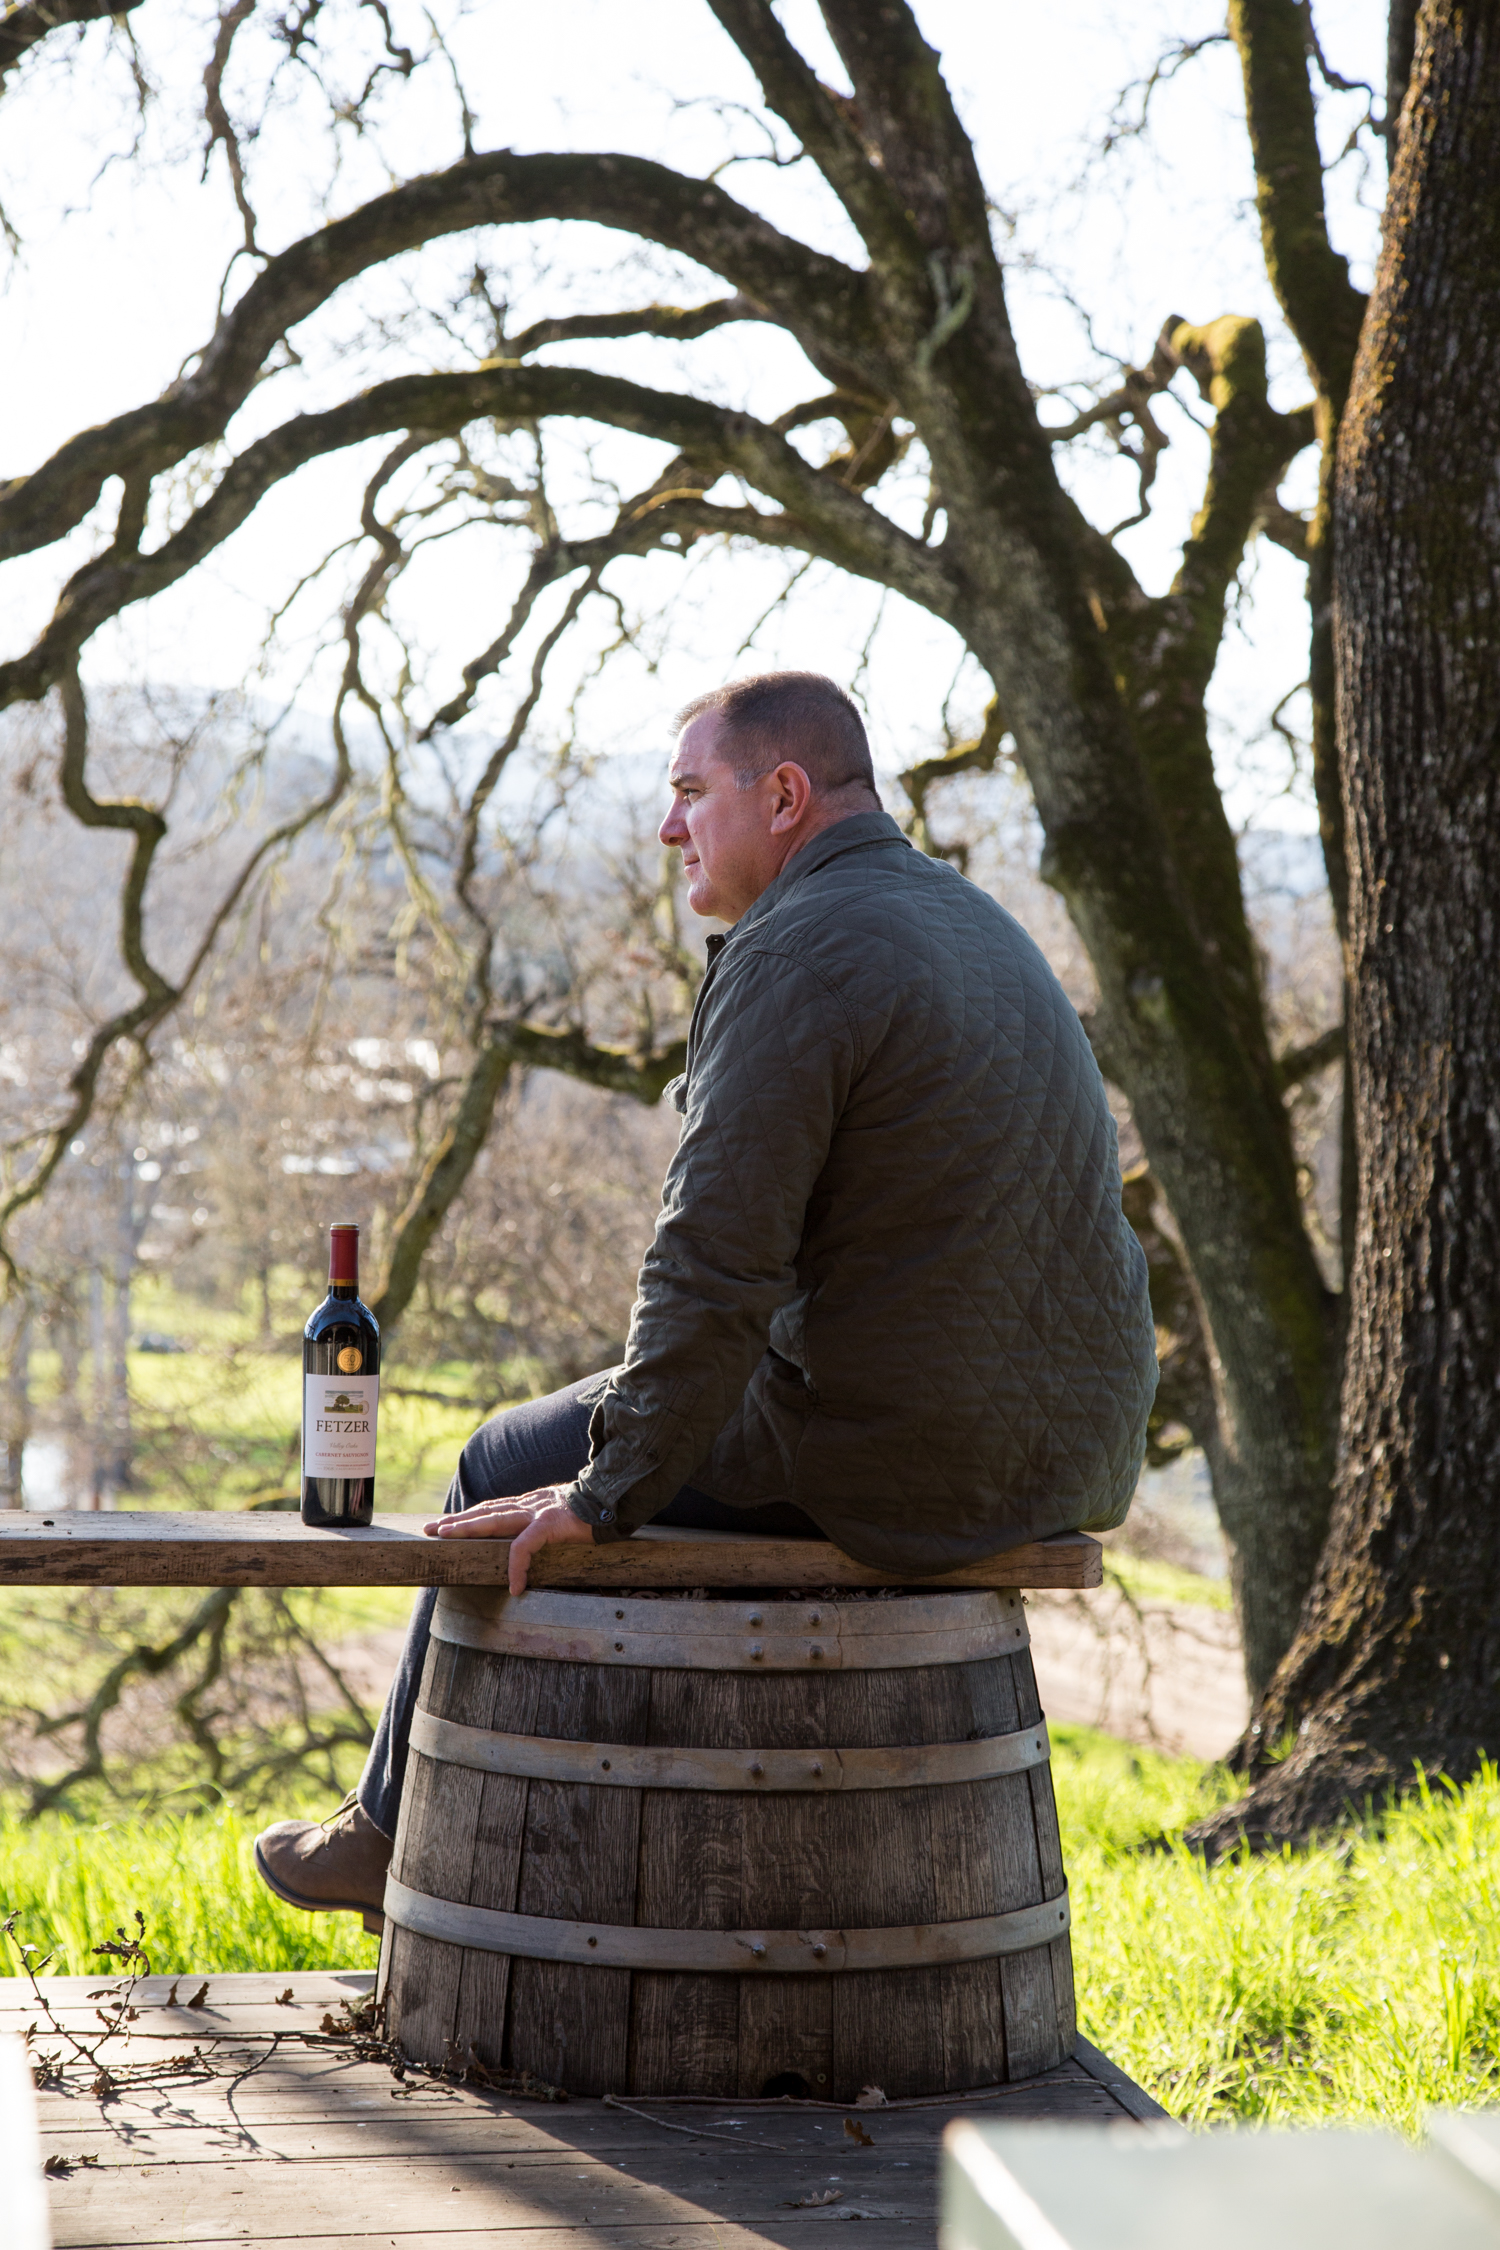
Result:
[[891, 1280]]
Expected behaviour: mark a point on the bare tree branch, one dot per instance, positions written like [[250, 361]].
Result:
[[159, 994], [23, 27], [217, 117], [678, 324], [827, 127], [1300, 1063], [822, 302], [835, 521]]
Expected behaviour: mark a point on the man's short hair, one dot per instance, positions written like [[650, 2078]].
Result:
[[796, 718]]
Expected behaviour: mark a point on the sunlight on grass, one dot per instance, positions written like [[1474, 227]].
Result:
[[1357, 1980], [192, 1877]]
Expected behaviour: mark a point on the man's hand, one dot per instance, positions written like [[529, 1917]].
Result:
[[535, 1519]]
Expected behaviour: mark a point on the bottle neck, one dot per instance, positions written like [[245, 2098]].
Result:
[[343, 1261]]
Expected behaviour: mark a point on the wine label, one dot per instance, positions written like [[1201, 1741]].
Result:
[[338, 1425]]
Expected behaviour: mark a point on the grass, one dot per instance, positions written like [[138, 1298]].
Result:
[[190, 1875], [1357, 1980]]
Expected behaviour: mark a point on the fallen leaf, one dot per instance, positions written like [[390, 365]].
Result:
[[871, 2097], [57, 2167], [813, 2201], [199, 1996], [284, 1999], [857, 2134], [171, 1999]]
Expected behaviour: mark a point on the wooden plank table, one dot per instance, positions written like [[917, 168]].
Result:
[[317, 2148], [152, 1547]]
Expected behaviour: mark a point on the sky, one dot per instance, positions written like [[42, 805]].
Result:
[[120, 259]]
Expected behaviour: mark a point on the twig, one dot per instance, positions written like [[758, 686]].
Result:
[[694, 2132]]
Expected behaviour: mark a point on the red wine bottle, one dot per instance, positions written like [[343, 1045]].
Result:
[[340, 1395]]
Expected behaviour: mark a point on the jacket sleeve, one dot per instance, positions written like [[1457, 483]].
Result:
[[774, 1056]]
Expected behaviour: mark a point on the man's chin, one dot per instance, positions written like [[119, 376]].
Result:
[[702, 897]]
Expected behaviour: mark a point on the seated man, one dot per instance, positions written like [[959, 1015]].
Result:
[[892, 1297]]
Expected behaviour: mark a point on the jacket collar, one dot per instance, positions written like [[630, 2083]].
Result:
[[849, 835]]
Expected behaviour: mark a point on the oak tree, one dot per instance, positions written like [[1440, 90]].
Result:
[[910, 359]]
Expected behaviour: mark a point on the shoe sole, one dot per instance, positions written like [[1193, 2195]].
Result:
[[374, 1918]]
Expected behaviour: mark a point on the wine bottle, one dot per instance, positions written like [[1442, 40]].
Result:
[[340, 1394]]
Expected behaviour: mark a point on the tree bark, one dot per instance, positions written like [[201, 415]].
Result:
[[1398, 1659]]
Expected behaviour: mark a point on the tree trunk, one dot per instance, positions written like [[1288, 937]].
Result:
[[1398, 1659], [15, 1406]]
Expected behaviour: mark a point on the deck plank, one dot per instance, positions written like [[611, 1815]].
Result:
[[318, 2148]]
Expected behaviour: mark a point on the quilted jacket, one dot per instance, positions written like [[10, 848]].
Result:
[[891, 1280]]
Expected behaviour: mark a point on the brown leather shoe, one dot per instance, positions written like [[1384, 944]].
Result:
[[335, 1866]]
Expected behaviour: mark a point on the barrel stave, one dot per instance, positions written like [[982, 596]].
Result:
[[442, 1841], [787, 2032], [569, 2024]]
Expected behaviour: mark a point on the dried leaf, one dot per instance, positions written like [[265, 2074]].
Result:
[[857, 2134], [871, 2097], [171, 1999], [814, 2201], [199, 1996], [284, 1999]]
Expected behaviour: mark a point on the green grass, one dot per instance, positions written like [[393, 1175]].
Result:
[[190, 1875], [1146, 1580], [1358, 1980]]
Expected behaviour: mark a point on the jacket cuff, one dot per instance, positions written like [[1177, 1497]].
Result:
[[601, 1515]]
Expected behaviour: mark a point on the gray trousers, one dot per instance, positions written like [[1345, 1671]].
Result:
[[546, 1441]]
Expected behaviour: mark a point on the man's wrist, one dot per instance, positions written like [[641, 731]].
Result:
[[600, 1515]]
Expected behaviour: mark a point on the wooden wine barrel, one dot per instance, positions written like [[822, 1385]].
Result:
[[730, 1846]]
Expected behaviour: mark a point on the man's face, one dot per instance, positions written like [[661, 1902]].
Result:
[[730, 838]]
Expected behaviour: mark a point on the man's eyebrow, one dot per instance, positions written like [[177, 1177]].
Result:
[[684, 781]]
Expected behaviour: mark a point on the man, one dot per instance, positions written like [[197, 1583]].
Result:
[[892, 1298]]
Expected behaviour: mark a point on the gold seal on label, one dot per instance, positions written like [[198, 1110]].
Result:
[[351, 1360]]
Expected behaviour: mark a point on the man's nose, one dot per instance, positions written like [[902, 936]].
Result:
[[673, 829]]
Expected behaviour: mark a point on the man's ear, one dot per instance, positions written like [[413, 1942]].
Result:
[[791, 794]]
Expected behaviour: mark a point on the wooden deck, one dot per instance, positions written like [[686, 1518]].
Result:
[[307, 2144]]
